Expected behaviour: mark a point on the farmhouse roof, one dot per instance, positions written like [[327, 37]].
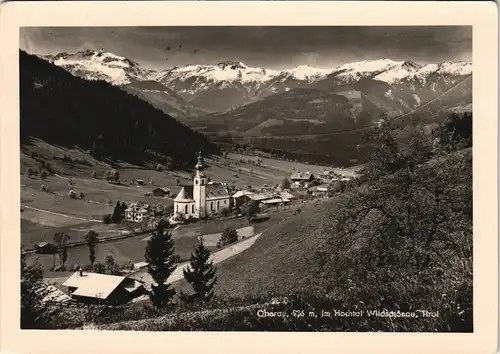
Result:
[[164, 189], [287, 195], [275, 201], [261, 196], [185, 195], [241, 194], [301, 176], [93, 284]]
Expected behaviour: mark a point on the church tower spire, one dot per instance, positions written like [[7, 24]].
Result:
[[199, 187], [200, 166]]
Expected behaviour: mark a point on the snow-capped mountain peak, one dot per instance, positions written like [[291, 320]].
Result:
[[227, 71], [100, 65], [306, 72]]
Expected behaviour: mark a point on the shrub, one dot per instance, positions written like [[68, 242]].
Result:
[[224, 212], [82, 195], [107, 219], [44, 174], [228, 237]]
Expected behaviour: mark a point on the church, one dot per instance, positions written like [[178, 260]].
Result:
[[202, 198]]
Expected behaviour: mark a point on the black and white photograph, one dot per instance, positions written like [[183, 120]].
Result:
[[238, 178]]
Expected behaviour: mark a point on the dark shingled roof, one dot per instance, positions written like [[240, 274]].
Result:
[[216, 190], [213, 190], [186, 193]]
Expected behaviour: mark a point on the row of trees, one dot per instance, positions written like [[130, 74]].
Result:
[[200, 274], [61, 240]]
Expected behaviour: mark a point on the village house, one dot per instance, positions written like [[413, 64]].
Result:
[[102, 288], [201, 198], [241, 197], [161, 192], [302, 179], [138, 212], [264, 199]]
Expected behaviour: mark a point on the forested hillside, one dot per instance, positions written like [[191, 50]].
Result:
[[62, 109]]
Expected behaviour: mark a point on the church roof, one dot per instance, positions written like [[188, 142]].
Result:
[[216, 190], [212, 191], [185, 195]]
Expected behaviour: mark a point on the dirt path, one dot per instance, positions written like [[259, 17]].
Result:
[[59, 214], [216, 257]]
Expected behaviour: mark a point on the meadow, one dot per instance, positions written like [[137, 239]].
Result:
[[45, 213]]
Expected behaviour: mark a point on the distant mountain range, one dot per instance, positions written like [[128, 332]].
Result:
[[396, 87], [293, 109]]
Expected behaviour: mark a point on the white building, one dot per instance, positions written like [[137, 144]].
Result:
[[138, 212], [201, 198]]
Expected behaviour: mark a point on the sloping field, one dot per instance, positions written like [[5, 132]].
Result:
[[279, 258]]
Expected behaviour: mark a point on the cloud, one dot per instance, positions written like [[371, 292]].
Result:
[[274, 47]]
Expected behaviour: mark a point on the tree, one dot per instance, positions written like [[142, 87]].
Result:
[[99, 268], [60, 240], [92, 239], [82, 195], [229, 236], [161, 264], [44, 174], [116, 217], [152, 181], [112, 267], [106, 219], [386, 157], [285, 184], [30, 172], [112, 176], [200, 274], [94, 174], [32, 309], [250, 209], [116, 176]]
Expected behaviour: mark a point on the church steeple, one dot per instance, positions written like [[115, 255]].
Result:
[[200, 165]]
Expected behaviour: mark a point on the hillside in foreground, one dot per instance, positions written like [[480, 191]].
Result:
[[399, 240], [68, 111]]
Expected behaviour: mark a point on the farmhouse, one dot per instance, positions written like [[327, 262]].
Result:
[[201, 198], [161, 192], [241, 197], [46, 248], [138, 212], [102, 288], [302, 179]]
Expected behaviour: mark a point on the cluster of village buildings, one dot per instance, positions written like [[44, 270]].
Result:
[[204, 197], [198, 200]]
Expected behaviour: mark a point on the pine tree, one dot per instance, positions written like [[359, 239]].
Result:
[[161, 264], [91, 238], [200, 274], [116, 213]]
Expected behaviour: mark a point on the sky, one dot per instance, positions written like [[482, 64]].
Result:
[[269, 47]]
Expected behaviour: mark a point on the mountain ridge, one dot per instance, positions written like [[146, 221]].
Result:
[[229, 84]]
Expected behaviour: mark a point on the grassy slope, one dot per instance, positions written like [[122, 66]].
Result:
[[278, 261]]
